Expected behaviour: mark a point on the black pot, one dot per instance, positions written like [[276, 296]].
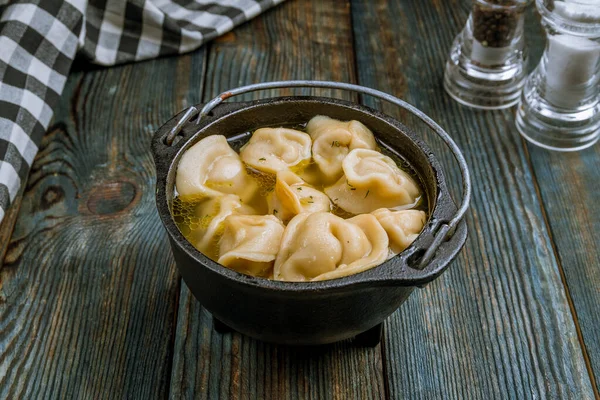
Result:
[[302, 313]]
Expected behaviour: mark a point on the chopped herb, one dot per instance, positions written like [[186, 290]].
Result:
[[310, 197], [275, 211], [335, 143], [352, 188], [262, 159], [310, 202], [367, 194], [299, 188]]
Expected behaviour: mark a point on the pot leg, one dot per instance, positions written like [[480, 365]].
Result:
[[220, 327], [370, 338]]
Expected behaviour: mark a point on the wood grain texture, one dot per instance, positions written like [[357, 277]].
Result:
[[7, 226], [89, 288], [497, 324], [568, 186], [299, 39]]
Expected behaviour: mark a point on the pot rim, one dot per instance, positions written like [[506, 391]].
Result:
[[397, 271]]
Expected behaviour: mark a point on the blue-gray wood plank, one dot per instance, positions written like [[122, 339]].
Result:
[[88, 287], [570, 191]]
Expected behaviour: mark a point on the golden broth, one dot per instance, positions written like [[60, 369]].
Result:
[[193, 224]]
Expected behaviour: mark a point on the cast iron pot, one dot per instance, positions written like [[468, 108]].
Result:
[[308, 313]]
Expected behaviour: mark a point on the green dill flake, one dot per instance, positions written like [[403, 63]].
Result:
[[335, 143], [352, 188], [262, 159], [299, 188], [275, 211], [310, 202], [367, 194]]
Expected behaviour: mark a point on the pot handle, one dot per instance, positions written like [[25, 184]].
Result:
[[444, 230]]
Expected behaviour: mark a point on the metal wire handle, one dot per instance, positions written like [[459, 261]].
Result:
[[444, 229]]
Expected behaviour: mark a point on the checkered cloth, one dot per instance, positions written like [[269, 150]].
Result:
[[40, 38]]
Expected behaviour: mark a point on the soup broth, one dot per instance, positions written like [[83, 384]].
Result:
[[219, 217], [192, 224]]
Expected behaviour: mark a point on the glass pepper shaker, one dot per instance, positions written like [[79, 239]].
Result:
[[560, 105], [487, 64]]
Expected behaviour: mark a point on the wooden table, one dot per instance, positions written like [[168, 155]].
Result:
[[91, 304]]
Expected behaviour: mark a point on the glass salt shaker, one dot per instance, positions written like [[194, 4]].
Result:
[[560, 105], [487, 64]]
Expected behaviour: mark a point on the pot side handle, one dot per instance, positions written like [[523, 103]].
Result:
[[162, 143]]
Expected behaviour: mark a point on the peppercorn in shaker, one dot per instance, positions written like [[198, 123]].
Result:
[[560, 105], [486, 67]]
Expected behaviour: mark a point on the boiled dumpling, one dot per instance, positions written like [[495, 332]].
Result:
[[276, 149], [322, 246], [211, 214], [211, 168], [333, 140], [250, 243], [372, 180], [402, 227], [293, 196]]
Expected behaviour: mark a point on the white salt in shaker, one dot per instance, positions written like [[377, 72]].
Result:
[[486, 67], [560, 105]]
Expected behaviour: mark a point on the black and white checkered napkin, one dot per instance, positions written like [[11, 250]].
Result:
[[40, 38]]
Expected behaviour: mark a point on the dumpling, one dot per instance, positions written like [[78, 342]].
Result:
[[372, 180], [211, 168], [402, 227], [250, 243], [211, 214], [276, 149], [333, 140], [293, 196], [322, 246]]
